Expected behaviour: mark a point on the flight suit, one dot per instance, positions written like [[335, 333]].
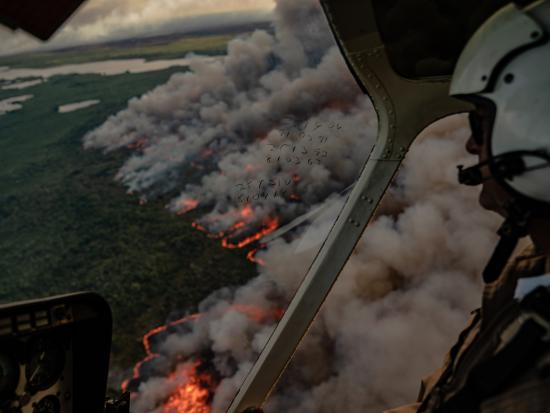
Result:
[[529, 389]]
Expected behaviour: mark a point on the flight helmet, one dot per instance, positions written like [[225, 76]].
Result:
[[507, 62]]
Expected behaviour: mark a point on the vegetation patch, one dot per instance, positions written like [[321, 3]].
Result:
[[66, 225]]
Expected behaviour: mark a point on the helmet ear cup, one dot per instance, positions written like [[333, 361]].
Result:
[[522, 125]]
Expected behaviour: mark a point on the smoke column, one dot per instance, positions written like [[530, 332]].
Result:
[[411, 282]]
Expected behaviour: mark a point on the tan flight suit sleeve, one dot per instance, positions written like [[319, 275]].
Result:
[[409, 408], [428, 383], [531, 392]]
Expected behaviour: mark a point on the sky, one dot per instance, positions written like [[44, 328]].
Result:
[[99, 20]]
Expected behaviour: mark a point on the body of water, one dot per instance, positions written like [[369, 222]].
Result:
[[12, 104], [22, 85], [107, 67], [71, 107]]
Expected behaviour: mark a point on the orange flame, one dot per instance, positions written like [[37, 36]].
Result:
[[140, 143], [214, 235], [251, 256], [246, 212], [237, 226], [269, 226], [192, 393], [193, 387], [147, 346], [207, 153], [258, 314], [255, 313], [198, 227], [186, 205]]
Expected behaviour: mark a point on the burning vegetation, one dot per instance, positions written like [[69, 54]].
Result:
[[282, 112], [193, 390], [186, 205], [245, 232], [190, 381], [241, 239]]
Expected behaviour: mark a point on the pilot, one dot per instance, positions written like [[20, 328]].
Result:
[[501, 361]]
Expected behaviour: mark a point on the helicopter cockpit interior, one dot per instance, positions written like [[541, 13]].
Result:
[[55, 351]]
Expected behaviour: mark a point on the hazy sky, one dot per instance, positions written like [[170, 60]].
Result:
[[98, 20]]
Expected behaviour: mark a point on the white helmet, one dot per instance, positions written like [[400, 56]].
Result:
[[507, 61]]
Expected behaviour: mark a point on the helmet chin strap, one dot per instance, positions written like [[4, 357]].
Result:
[[513, 228], [505, 166]]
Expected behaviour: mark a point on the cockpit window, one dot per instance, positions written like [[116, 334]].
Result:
[[189, 174], [190, 167]]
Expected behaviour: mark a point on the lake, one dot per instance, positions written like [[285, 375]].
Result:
[[106, 67], [71, 107]]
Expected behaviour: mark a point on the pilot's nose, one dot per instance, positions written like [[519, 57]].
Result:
[[472, 146]]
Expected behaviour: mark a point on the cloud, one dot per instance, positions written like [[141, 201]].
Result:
[[101, 20]]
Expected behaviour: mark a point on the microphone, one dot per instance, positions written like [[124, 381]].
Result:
[[471, 176], [505, 166]]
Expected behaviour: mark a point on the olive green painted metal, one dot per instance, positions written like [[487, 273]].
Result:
[[404, 107]]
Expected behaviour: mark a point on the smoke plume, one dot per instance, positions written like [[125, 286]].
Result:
[[221, 136]]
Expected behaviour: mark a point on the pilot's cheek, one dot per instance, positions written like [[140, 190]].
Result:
[[472, 147], [494, 197]]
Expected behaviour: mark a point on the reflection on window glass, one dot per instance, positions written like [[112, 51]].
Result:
[[405, 293], [189, 177], [425, 37]]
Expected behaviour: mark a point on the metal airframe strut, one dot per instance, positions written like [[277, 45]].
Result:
[[404, 107]]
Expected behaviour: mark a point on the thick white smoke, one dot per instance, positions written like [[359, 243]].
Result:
[[401, 300], [233, 110], [411, 282], [404, 294]]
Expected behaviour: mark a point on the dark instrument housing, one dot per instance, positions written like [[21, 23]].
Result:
[[39, 18], [55, 351]]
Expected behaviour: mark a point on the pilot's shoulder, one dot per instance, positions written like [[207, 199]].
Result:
[[409, 408]]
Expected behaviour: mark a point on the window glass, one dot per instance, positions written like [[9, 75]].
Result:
[[406, 292], [188, 168]]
